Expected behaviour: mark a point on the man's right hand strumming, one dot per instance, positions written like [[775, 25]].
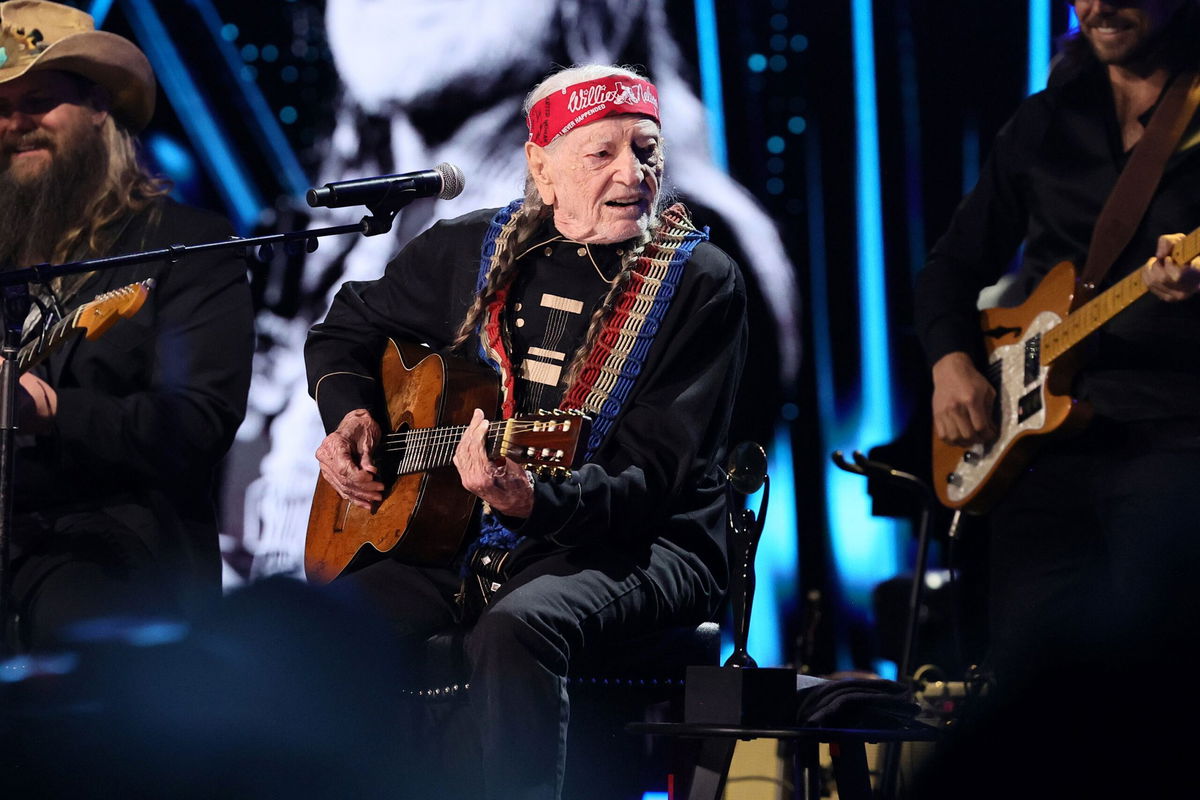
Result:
[[962, 402], [345, 457]]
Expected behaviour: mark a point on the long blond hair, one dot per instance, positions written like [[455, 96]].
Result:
[[126, 188]]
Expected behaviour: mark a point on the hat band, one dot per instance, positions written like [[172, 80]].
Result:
[[17, 47], [579, 104]]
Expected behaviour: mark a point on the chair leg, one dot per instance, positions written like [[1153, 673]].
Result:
[[806, 769], [702, 774], [850, 770]]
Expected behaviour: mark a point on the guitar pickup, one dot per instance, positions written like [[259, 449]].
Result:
[[1029, 404], [1033, 359]]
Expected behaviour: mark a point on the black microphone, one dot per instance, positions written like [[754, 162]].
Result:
[[444, 180]]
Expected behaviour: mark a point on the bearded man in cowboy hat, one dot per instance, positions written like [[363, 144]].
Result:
[[119, 436]]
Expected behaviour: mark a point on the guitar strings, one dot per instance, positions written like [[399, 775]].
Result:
[[432, 442], [454, 432], [433, 447]]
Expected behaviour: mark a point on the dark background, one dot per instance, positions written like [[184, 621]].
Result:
[[948, 74]]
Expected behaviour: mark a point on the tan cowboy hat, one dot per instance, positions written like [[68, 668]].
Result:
[[38, 35]]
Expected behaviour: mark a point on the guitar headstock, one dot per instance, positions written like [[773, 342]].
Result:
[[546, 442], [102, 313]]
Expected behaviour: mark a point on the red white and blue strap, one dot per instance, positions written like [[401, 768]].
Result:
[[616, 359]]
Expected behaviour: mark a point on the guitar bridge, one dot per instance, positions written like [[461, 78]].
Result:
[[1029, 404]]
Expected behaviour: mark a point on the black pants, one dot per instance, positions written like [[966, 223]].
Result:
[[70, 564], [519, 650], [1096, 552]]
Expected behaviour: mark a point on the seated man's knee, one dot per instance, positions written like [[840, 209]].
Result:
[[516, 631]]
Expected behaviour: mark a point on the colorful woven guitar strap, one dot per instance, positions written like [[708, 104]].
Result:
[[614, 362]]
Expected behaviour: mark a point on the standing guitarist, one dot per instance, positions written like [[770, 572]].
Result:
[[118, 437], [585, 295], [1099, 531]]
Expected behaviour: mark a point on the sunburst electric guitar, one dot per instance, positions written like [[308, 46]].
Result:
[[92, 319], [425, 510], [1032, 358]]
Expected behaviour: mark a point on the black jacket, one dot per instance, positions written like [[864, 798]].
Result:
[[147, 411]]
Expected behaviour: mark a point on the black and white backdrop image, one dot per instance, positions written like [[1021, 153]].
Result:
[[415, 87]]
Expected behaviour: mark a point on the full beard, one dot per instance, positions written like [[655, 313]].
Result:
[[38, 211]]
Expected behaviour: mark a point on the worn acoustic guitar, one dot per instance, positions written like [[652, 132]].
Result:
[[425, 511], [1032, 358], [92, 319]]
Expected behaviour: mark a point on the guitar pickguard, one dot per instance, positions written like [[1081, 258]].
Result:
[[1019, 378]]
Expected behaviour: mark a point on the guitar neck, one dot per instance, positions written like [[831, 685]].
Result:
[[36, 351], [1088, 318]]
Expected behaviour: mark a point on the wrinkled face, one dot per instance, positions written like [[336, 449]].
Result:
[[42, 114], [1118, 30], [601, 179]]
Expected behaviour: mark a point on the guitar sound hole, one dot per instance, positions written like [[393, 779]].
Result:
[[390, 456]]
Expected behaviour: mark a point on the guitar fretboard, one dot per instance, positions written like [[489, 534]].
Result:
[[429, 448], [41, 347], [1088, 318]]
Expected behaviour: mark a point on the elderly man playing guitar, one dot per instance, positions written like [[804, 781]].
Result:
[[585, 300]]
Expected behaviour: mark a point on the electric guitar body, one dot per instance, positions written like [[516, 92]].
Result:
[[1033, 399]]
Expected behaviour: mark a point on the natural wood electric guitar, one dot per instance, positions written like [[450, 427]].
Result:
[[425, 510], [92, 319], [1032, 358]]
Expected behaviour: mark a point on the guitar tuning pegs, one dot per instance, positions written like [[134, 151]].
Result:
[[561, 474], [543, 472]]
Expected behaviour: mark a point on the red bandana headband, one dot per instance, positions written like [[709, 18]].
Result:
[[562, 111]]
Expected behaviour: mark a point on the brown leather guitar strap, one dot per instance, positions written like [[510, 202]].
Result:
[[1126, 204]]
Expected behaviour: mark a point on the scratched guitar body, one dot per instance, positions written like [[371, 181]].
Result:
[[424, 515], [1033, 400], [425, 510]]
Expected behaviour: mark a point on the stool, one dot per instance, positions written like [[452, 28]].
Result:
[[640, 679]]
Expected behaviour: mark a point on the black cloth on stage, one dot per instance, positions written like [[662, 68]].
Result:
[[856, 703], [146, 412]]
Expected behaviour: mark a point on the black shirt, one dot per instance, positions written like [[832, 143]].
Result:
[[1050, 171], [559, 286]]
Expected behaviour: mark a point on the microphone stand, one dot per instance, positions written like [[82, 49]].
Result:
[[14, 307]]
